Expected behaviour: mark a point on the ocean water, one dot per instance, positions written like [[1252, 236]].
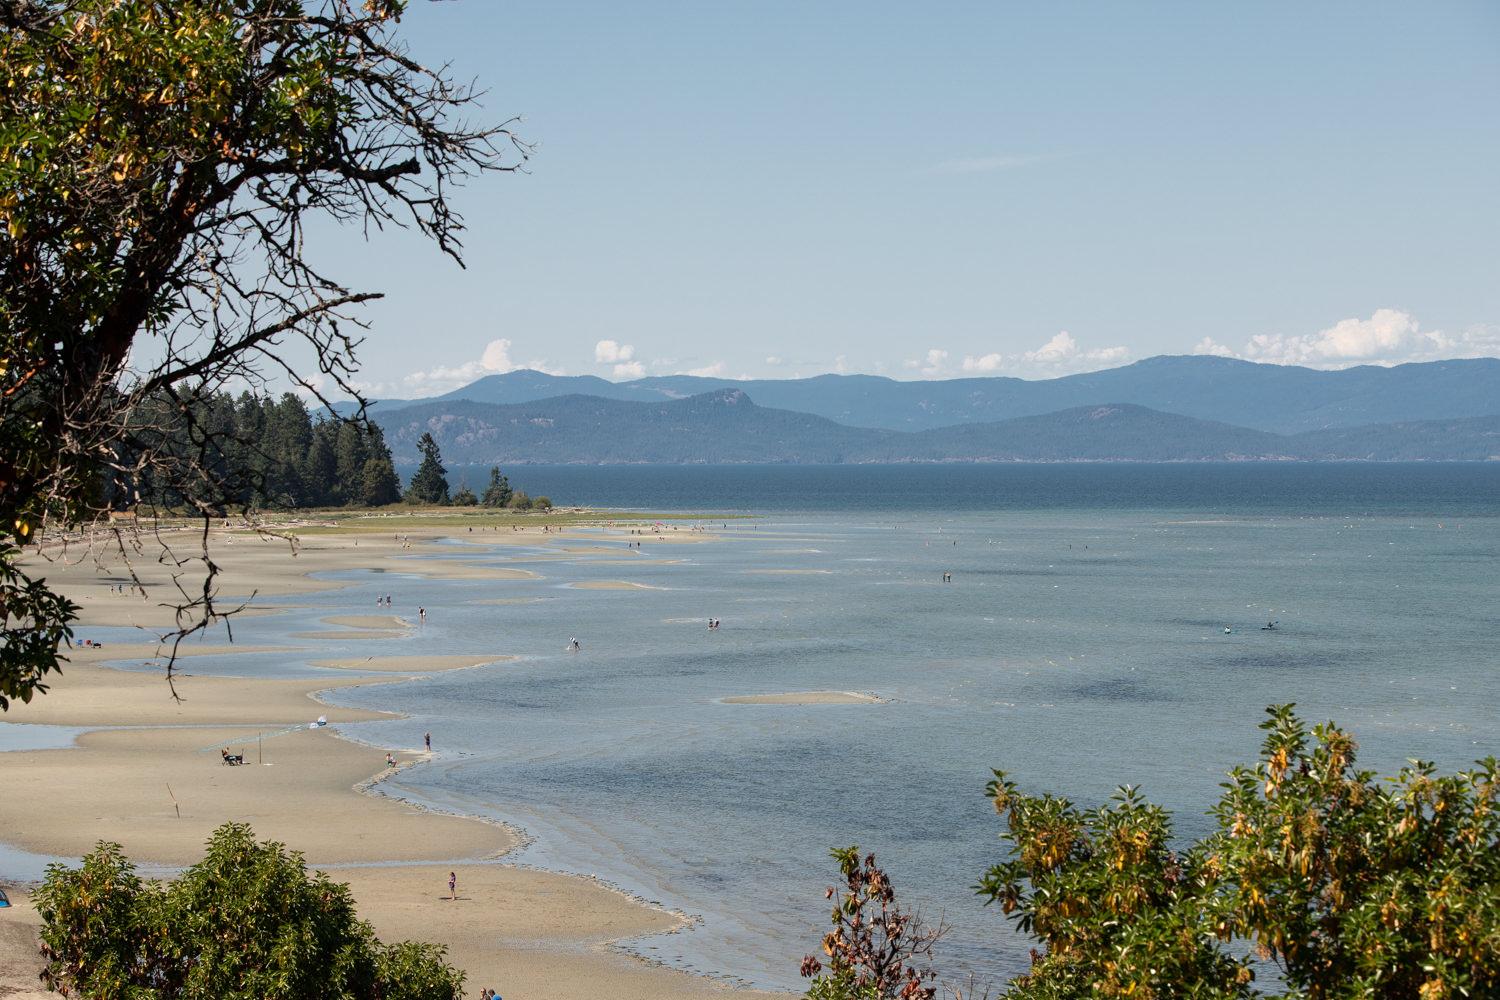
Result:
[[1080, 647]]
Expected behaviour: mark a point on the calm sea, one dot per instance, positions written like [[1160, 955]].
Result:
[[1344, 488], [1080, 646]]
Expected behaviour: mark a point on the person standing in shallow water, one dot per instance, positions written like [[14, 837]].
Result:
[[428, 740]]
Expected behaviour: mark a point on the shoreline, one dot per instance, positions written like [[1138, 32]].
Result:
[[538, 933]]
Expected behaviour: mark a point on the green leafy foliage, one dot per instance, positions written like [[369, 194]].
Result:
[[1352, 888], [1358, 887], [246, 923], [36, 621], [1114, 905], [1318, 876]]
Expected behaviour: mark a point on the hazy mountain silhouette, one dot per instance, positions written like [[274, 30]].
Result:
[[726, 426], [1280, 398]]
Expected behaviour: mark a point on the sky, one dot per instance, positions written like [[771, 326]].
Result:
[[776, 190]]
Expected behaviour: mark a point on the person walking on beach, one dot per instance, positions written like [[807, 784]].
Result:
[[452, 885]]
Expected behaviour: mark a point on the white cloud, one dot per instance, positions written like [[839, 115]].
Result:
[[1209, 345], [1062, 353], [983, 365], [841, 365], [774, 361], [1388, 337], [1059, 356], [610, 352], [496, 357], [715, 370], [494, 360], [933, 364], [630, 369]]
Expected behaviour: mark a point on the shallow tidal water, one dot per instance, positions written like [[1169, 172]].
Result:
[[1080, 647]]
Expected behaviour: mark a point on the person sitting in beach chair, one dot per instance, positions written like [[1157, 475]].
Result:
[[233, 759]]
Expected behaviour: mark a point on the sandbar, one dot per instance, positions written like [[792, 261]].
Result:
[[87, 693], [411, 664], [358, 628], [787, 572], [377, 622], [610, 585], [452, 569], [805, 698]]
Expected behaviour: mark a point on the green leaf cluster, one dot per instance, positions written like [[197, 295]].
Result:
[[246, 923], [1347, 886], [36, 621]]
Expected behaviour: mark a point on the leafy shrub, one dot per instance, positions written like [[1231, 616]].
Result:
[[1348, 887], [876, 951], [245, 923]]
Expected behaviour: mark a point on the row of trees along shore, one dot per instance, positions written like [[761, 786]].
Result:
[[273, 453], [262, 451], [429, 485]]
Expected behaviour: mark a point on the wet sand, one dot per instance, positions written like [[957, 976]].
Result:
[[161, 791]]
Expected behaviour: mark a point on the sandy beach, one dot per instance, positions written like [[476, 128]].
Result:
[[147, 773]]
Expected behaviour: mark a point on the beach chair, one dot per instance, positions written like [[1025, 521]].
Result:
[[232, 759]]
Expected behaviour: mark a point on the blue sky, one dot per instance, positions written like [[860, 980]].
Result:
[[929, 190]]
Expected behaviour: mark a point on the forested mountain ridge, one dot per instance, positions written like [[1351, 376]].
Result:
[[726, 426], [1280, 398]]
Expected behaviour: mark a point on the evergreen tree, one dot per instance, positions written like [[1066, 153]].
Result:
[[288, 436], [251, 446], [349, 458], [498, 492], [379, 483], [465, 497], [318, 474], [430, 483]]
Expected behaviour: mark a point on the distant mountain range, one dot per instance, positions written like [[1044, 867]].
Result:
[[1280, 399], [726, 426]]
